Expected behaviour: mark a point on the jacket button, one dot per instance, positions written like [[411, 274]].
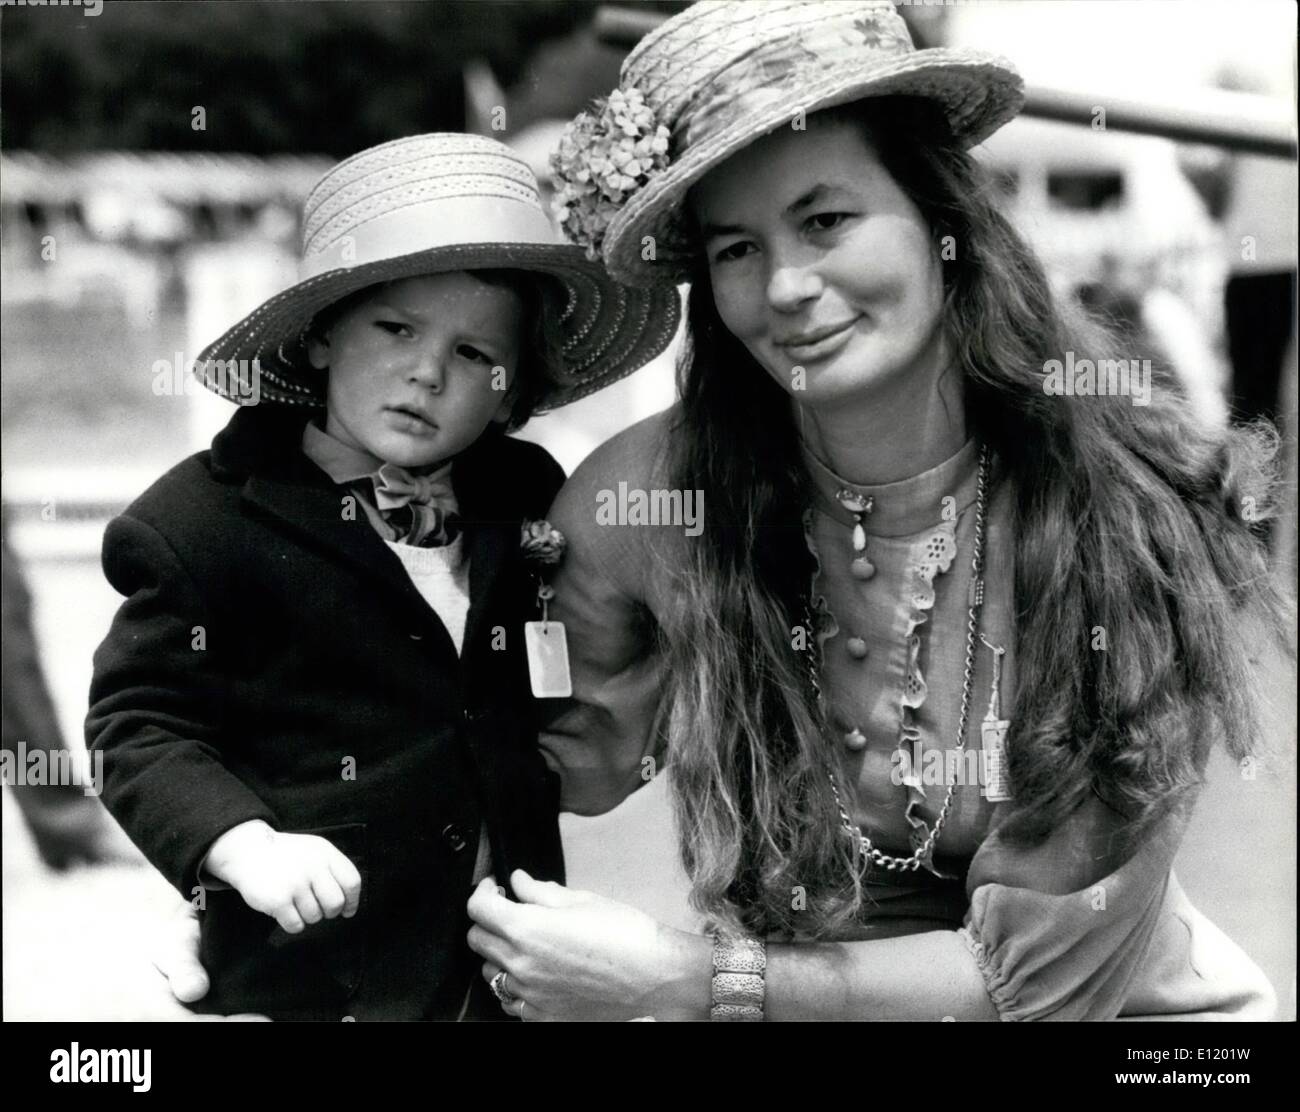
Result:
[[454, 836], [417, 636]]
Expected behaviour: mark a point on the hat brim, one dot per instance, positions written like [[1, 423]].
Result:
[[609, 330], [977, 91]]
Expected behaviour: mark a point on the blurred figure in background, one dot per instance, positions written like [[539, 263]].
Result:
[[67, 825], [1138, 301], [1261, 292]]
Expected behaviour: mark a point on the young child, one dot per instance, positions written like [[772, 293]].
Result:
[[315, 697]]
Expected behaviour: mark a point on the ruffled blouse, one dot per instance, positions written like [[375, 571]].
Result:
[[1058, 930]]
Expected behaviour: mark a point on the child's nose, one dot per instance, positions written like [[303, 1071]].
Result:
[[428, 370]]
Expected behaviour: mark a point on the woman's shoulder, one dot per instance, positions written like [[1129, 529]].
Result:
[[605, 505], [638, 458]]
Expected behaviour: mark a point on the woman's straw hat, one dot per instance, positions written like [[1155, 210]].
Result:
[[429, 204], [719, 75]]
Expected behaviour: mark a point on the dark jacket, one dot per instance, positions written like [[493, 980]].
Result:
[[270, 642]]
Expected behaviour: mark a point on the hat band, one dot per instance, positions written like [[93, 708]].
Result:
[[441, 222], [780, 70]]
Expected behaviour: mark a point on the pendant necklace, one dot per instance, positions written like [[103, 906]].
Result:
[[859, 506]]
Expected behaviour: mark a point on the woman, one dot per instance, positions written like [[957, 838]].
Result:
[[916, 540]]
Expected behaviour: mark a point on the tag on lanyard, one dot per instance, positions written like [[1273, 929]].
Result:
[[997, 782], [548, 659]]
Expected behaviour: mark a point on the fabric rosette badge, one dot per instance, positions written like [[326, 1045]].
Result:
[[603, 157], [542, 544]]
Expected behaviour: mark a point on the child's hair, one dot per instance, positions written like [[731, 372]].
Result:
[[539, 348]]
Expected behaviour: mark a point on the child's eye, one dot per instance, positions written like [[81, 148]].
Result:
[[395, 328], [470, 352], [733, 251]]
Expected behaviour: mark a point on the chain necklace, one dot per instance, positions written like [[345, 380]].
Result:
[[923, 854]]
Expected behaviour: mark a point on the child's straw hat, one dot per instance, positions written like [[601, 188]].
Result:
[[429, 204], [719, 75]]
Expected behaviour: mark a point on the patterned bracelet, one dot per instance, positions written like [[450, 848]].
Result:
[[739, 987]]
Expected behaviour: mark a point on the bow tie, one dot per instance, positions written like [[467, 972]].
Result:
[[422, 508]]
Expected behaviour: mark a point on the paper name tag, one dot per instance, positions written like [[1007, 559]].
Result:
[[997, 784], [548, 659]]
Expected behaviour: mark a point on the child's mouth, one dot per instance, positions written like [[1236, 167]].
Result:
[[409, 421]]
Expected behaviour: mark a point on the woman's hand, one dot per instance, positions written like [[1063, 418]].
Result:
[[575, 955], [176, 957]]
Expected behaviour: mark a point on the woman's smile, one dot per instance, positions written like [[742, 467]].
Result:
[[817, 344]]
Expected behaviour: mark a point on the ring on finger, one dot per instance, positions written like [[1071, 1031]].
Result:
[[522, 1005], [498, 986]]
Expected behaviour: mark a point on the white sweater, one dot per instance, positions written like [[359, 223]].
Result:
[[441, 575]]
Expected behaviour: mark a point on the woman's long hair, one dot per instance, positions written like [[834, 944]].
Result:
[[1132, 523]]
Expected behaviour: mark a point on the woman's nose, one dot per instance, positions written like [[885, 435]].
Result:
[[789, 287]]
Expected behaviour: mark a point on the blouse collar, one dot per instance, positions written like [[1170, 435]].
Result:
[[907, 506]]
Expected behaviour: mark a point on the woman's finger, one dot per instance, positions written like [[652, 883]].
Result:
[[490, 946], [531, 1013], [491, 910], [545, 893], [176, 957], [509, 996]]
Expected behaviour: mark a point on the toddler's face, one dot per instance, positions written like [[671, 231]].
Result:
[[418, 370]]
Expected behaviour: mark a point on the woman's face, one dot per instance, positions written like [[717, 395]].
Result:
[[819, 262]]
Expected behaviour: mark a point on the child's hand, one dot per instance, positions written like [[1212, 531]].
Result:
[[294, 878]]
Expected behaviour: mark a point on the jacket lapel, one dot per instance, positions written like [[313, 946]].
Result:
[[485, 497], [262, 448], [314, 511], [489, 547]]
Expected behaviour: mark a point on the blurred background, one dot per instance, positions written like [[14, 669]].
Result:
[[152, 160]]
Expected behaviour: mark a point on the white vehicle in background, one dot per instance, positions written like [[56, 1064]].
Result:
[[1116, 208], [1083, 196]]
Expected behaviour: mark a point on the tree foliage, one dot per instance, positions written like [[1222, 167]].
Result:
[[313, 76]]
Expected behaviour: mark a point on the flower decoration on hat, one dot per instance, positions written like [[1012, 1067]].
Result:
[[603, 157]]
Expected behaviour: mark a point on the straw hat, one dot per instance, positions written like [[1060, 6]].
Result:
[[719, 75], [429, 204]]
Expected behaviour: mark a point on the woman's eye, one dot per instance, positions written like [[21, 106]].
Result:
[[737, 250], [473, 353], [394, 328], [825, 221]]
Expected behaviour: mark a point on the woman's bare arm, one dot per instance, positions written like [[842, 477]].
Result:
[[576, 955]]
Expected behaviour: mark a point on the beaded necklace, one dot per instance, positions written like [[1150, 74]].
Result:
[[922, 856]]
